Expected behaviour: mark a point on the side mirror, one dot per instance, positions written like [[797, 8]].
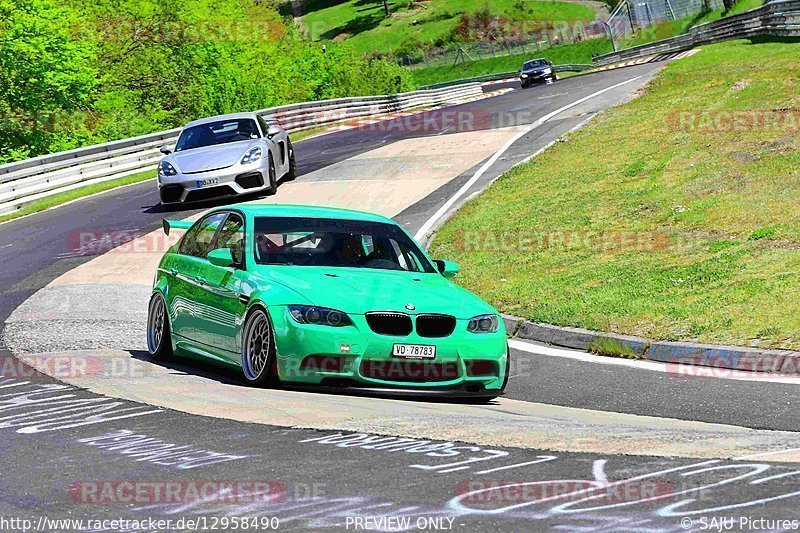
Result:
[[166, 149], [273, 130], [221, 257], [447, 269]]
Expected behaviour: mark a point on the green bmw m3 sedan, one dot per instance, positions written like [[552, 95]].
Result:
[[326, 297]]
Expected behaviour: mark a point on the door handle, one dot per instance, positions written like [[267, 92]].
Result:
[[201, 280]]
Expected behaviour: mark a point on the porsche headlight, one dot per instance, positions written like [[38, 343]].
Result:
[[547, 71], [483, 324], [523, 75], [253, 154], [165, 169], [322, 316]]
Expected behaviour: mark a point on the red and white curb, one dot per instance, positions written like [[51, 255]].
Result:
[[498, 82], [651, 59], [632, 62]]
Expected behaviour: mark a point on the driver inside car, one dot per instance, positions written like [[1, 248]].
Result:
[[351, 251]]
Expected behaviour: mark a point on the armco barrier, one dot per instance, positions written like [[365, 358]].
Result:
[[779, 18], [25, 181]]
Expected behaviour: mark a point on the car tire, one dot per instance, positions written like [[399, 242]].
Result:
[[292, 174], [159, 337], [259, 363], [273, 179]]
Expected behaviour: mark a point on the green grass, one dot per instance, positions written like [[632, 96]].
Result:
[[571, 53], [363, 24], [74, 194], [640, 225], [568, 53]]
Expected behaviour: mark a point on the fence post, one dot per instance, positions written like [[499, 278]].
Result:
[[607, 26]]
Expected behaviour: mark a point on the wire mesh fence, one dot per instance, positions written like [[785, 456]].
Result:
[[632, 15], [627, 19], [531, 43]]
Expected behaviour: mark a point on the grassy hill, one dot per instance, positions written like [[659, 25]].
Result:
[[363, 24], [580, 53], [688, 229]]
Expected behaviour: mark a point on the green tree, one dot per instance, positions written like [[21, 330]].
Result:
[[44, 73]]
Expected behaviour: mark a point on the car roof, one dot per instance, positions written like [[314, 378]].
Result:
[[304, 211], [217, 118], [537, 59]]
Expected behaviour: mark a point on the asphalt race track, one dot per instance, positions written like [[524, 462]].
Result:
[[635, 449]]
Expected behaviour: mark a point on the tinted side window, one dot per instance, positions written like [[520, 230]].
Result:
[[200, 237], [232, 236]]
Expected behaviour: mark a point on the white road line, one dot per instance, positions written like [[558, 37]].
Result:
[[541, 459], [765, 454], [696, 372], [486, 166], [79, 199], [599, 470]]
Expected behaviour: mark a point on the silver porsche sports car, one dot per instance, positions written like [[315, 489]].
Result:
[[226, 155]]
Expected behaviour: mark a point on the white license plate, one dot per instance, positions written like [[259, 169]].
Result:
[[206, 183], [414, 351]]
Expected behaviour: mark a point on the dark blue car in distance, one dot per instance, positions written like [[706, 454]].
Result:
[[537, 71]]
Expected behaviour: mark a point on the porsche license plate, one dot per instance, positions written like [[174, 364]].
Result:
[[414, 351], [207, 183]]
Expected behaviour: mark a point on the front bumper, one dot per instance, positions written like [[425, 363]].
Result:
[[537, 77], [231, 181], [364, 359]]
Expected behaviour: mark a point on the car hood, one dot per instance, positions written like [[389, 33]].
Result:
[[210, 158], [537, 70], [359, 290]]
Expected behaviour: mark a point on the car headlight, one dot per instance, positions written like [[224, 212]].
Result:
[[523, 76], [547, 71], [165, 169], [483, 324], [253, 154], [309, 314]]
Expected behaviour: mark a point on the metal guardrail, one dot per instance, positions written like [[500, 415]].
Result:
[[25, 181], [779, 18]]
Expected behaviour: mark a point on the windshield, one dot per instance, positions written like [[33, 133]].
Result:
[[337, 243], [534, 64], [223, 131]]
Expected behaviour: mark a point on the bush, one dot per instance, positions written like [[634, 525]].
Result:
[[112, 69]]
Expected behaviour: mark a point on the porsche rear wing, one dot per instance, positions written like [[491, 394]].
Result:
[[176, 224]]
